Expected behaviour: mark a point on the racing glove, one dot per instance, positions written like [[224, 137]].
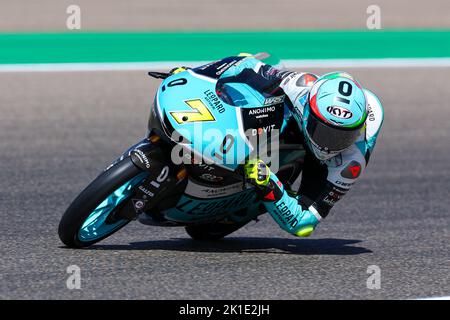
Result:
[[257, 173]]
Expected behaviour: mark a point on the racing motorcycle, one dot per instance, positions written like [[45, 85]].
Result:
[[178, 176]]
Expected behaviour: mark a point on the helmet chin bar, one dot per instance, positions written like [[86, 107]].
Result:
[[319, 152], [322, 155]]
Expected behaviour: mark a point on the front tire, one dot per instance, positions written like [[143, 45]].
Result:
[[87, 220]]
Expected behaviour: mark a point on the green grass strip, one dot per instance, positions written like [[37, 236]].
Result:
[[198, 46]]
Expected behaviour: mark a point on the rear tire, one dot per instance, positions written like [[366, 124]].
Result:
[[89, 200]]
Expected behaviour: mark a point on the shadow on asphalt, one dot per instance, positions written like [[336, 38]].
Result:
[[247, 244]]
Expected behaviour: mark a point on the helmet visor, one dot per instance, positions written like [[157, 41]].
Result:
[[330, 138]]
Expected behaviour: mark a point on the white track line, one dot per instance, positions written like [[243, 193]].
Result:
[[129, 66], [370, 63], [93, 66], [436, 298]]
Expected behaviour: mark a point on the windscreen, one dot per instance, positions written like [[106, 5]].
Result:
[[249, 89]]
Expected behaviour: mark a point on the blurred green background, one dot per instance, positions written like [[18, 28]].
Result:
[[200, 30]]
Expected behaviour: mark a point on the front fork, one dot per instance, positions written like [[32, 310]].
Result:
[[164, 183]]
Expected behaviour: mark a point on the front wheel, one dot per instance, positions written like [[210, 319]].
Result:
[[90, 217]]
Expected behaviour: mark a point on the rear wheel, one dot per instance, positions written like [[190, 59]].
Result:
[[90, 218]]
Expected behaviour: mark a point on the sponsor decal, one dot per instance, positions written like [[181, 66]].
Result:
[[263, 120], [202, 192], [218, 191], [213, 100], [208, 65], [344, 184], [216, 68], [142, 158], [206, 167], [211, 177], [270, 196], [352, 170], [223, 67], [339, 191], [262, 130], [146, 191], [332, 197], [339, 112], [138, 204], [288, 78], [261, 112], [355, 171], [285, 214], [274, 100], [329, 201], [218, 206], [370, 113]]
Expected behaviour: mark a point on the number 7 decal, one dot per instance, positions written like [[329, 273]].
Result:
[[200, 113]]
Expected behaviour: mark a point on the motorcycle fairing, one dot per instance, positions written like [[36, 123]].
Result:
[[209, 127]]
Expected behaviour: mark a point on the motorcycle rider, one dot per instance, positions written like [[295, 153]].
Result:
[[326, 128], [339, 121]]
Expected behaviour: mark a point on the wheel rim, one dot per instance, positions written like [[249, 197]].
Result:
[[94, 227]]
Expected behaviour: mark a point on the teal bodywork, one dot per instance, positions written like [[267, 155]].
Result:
[[206, 137]]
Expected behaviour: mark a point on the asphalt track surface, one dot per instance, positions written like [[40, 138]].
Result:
[[58, 130], [50, 15]]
